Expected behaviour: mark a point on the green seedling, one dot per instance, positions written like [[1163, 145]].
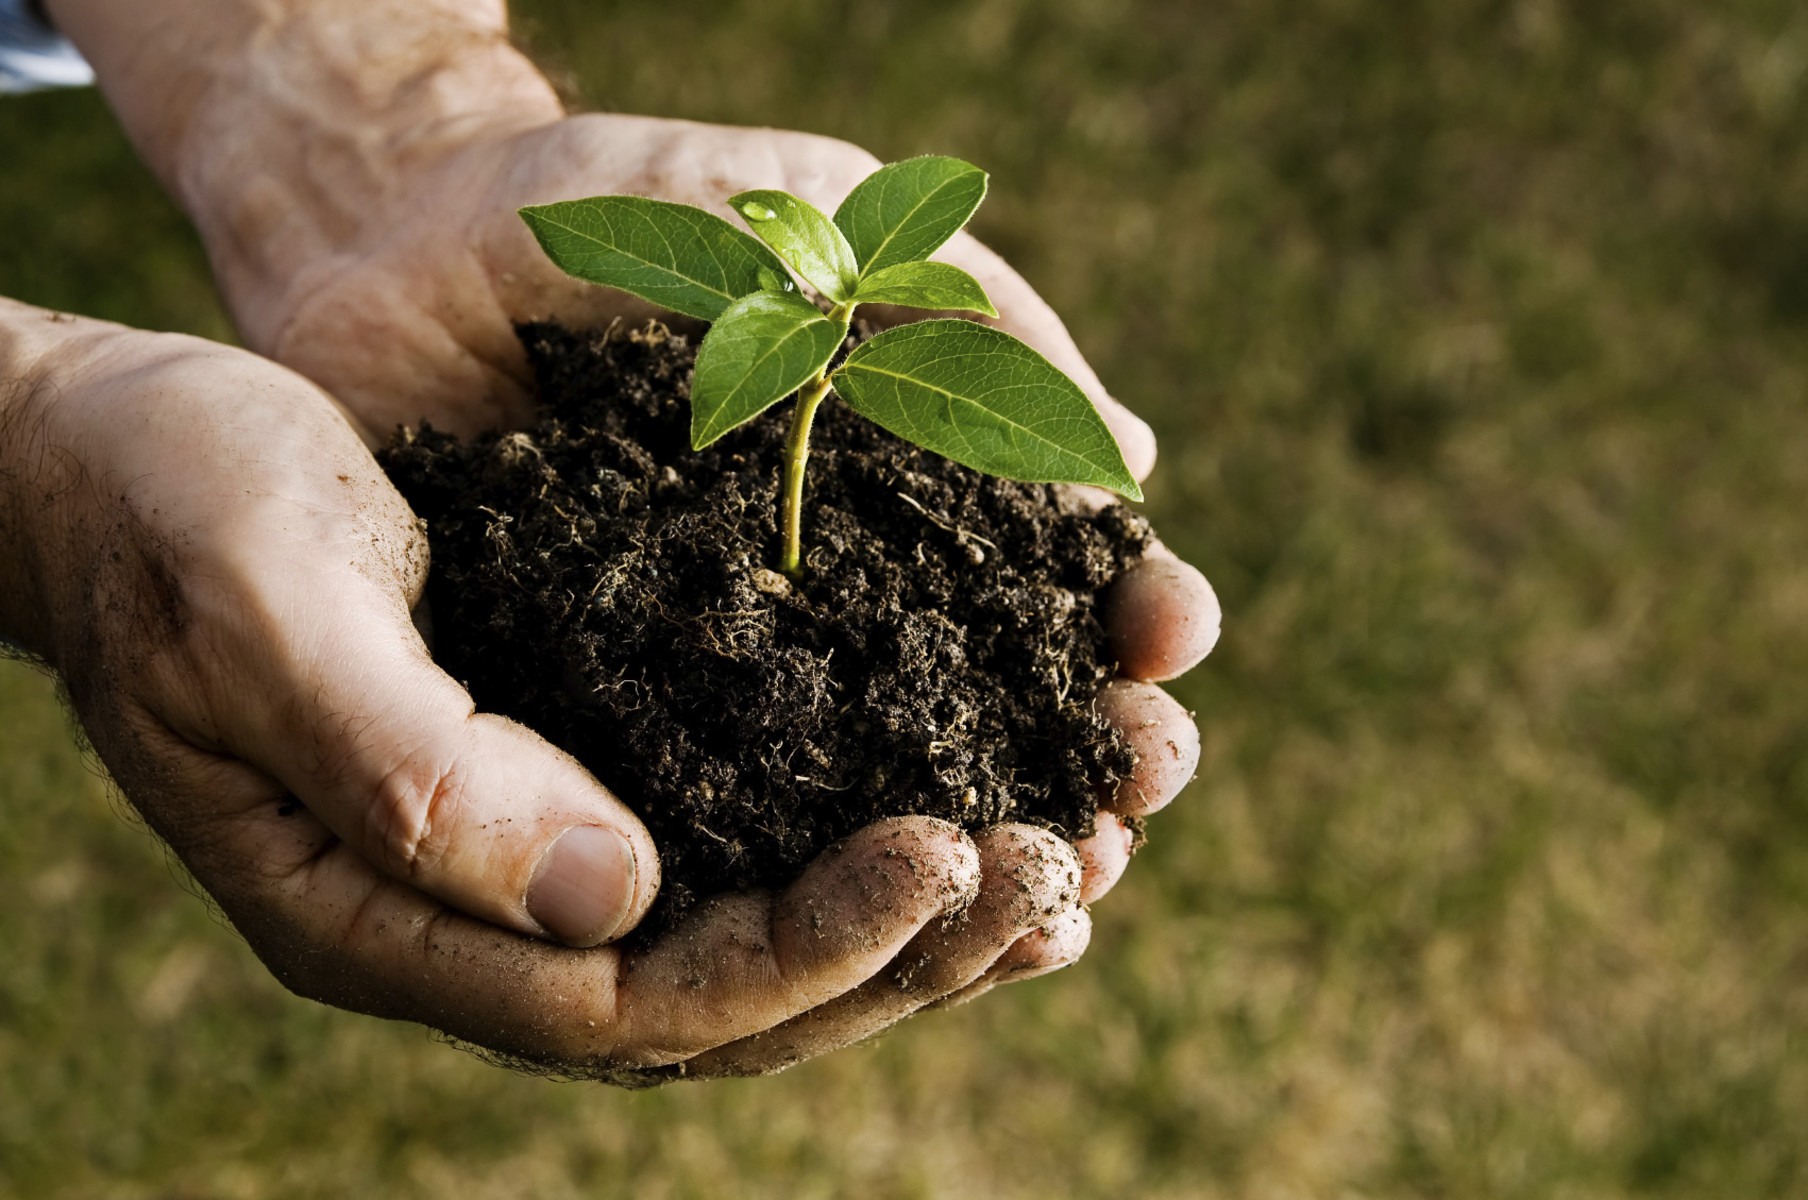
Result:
[[964, 390]]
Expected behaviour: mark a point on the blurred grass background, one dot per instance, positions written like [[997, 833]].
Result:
[[1476, 333]]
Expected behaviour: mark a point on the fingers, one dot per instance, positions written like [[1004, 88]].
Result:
[[334, 929], [1026, 315], [1162, 618], [1164, 738], [747, 962], [1030, 878], [1058, 944], [1104, 856]]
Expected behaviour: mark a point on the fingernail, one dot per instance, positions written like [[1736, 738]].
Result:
[[584, 887]]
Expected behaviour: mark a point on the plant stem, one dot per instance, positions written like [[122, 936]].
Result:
[[797, 453]]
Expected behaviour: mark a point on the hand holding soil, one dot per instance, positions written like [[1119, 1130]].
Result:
[[246, 665], [601, 581], [224, 580]]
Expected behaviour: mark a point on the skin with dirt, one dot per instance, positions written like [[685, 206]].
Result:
[[599, 581]]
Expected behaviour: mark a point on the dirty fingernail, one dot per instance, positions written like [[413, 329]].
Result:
[[584, 886]]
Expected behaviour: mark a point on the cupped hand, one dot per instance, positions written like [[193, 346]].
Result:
[[224, 578], [415, 319], [413, 316]]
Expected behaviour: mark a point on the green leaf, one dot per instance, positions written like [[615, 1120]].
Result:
[[758, 352], [673, 255], [804, 238], [925, 285], [904, 212], [986, 400]]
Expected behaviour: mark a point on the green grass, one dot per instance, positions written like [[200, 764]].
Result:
[[1476, 334]]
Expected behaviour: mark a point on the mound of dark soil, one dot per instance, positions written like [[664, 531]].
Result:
[[599, 581]]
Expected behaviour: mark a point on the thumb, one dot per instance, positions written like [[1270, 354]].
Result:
[[389, 753]]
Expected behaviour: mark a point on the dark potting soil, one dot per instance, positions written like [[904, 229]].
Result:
[[599, 581]]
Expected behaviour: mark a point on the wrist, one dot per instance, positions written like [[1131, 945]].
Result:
[[34, 471], [294, 132]]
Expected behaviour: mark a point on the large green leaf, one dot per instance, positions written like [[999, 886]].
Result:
[[673, 255], [904, 212], [925, 285], [804, 238], [758, 352], [981, 397]]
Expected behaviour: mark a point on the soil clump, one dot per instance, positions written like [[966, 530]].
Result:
[[597, 580]]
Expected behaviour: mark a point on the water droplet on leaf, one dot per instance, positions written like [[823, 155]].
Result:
[[755, 211]]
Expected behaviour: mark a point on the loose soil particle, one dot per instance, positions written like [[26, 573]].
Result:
[[599, 581]]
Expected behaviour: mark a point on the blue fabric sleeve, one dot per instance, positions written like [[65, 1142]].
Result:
[[33, 55]]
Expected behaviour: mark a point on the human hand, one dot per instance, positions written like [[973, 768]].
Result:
[[355, 166], [373, 245], [415, 318], [339, 330], [209, 556]]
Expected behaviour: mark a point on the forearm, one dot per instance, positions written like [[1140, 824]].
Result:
[[283, 126]]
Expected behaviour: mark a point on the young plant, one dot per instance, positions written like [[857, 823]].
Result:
[[964, 390]]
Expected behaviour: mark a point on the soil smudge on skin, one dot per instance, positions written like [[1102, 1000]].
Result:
[[599, 581]]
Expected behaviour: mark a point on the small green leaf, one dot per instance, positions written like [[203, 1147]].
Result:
[[673, 255], [758, 352], [804, 238], [981, 397], [904, 212], [925, 285]]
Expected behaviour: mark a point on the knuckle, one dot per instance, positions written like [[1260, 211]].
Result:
[[413, 811]]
